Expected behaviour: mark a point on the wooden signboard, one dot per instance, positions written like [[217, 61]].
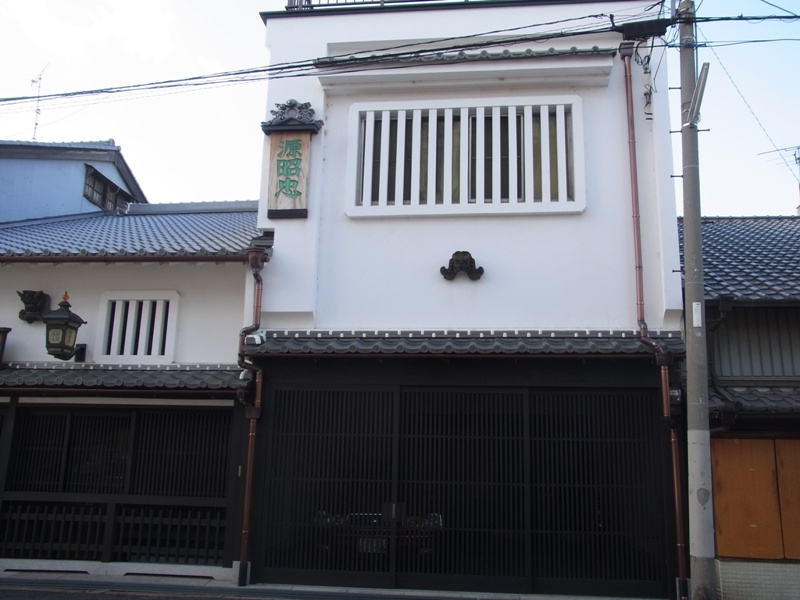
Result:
[[290, 154]]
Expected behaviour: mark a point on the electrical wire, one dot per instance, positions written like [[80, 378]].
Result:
[[750, 108], [300, 68], [391, 55], [780, 8]]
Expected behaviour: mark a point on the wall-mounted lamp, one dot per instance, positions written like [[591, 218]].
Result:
[[62, 332]]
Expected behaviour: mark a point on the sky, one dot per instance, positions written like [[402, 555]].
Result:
[[205, 144]]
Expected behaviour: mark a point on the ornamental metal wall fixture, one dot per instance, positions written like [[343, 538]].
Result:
[[461, 261], [36, 303], [290, 134]]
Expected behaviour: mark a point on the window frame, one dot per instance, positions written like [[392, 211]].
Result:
[[101, 191], [360, 146], [123, 355]]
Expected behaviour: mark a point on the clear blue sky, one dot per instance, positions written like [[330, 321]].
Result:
[[205, 145]]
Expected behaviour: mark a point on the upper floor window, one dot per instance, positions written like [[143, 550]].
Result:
[[505, 156], [138, 327], [100, 190]]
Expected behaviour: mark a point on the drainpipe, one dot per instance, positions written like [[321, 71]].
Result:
[[4, 331], [258, 256], [663, 359]]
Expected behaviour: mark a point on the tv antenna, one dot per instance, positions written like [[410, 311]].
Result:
[[38, 83], [796, 150]]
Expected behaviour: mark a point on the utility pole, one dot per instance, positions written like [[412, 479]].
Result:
[[701, 511]]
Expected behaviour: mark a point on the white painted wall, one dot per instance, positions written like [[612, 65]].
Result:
[[212, 298], [541, 271]]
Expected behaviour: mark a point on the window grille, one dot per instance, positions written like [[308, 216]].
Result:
[[139, 327], [501, 157], [103, 192]]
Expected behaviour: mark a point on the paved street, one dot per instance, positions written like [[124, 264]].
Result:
[[101, 594]]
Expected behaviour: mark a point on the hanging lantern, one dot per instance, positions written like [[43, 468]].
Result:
[[62, 332]]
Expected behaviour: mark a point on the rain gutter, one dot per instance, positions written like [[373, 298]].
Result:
[[663, 359], [258, 255]]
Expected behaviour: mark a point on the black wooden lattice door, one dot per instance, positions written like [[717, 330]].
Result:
[[479, 489]]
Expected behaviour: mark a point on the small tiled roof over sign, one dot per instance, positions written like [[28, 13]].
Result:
[[204, 230], [753, 259]]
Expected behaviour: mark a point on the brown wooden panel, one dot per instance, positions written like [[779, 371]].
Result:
[[746, 506], [787, 453]]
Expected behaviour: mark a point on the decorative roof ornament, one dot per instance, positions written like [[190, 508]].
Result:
[[461, 261], [292, 116]]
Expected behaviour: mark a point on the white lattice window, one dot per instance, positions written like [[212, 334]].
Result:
[[500, 155], [138, 327]]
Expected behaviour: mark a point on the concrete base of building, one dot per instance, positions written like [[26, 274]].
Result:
[[740, 579], [119, 569]]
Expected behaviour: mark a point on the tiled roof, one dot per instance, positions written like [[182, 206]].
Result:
[[760, 399], [216, 229], [753, 259], [460, 56], [185, 377], [93, 145], [266, 342]]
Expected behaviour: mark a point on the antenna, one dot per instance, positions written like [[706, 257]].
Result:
[[38, 83], [796, 150]]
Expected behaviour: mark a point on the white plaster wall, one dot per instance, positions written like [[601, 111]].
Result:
[[548, 272], [210, 314]]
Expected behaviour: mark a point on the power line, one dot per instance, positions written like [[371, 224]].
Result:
[[779, 8], [388, 58], [284, 69], [750, 108]]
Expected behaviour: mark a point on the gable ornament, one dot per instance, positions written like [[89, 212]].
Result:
[[461, 261], [292, 116]]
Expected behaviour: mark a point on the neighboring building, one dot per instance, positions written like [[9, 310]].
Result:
[[753, 306], [124, 459], [465, 353], [40, 179]]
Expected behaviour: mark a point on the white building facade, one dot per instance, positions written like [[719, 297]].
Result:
[[466, 326]]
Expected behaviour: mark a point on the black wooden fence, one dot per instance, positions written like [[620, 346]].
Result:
[[140, 485]]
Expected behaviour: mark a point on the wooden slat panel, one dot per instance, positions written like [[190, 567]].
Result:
[[544, 157], [400, 159], [497, 156], [416, 155], [480, 155], [787, 454], [447, 166], [463, 158], [369, 149], [433, 118], [513, 193], [528, 154], [561, 150], [160, 317], [746, 507], [383, 181], [118, 327]]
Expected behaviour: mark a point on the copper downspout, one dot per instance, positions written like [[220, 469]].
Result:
[[258, 258], [663, 359]]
